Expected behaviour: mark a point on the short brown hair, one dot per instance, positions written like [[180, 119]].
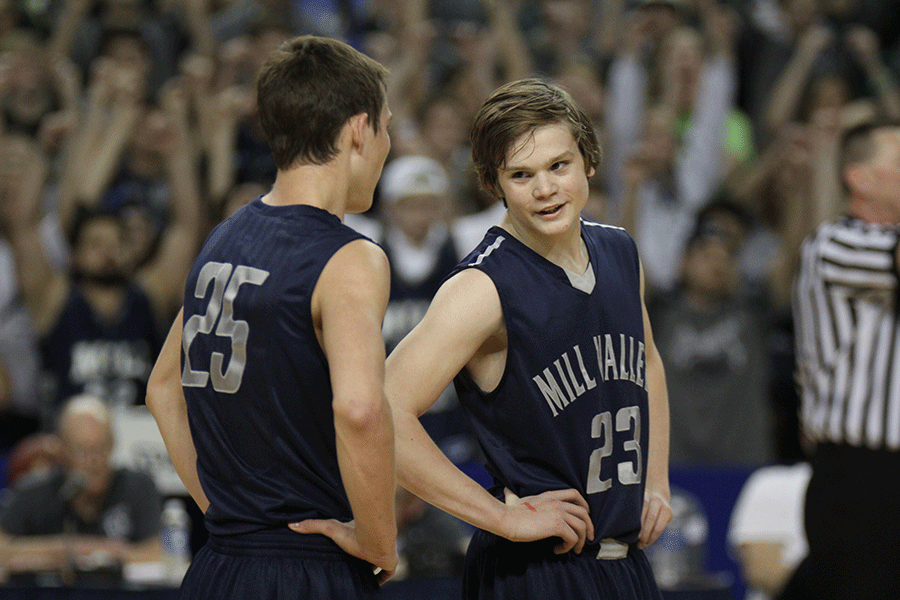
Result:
[[858, 144], [307, 91], [520, 107]]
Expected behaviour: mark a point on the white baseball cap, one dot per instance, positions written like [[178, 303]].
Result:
[[413, 176]]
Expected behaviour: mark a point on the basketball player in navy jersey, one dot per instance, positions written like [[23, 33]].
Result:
[[269, 390], [544, 332]]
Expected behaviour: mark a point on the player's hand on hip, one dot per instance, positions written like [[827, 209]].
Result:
[[655, 515], [557, 513], [344, 534]]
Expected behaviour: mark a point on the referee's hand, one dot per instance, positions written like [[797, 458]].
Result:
[[557, 513]]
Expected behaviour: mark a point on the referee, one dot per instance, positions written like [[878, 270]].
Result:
[[848, 359]]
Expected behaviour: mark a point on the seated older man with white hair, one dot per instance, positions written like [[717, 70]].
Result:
[[88, 512]]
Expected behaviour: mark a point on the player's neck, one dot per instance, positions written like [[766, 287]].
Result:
[[566, 250], [323, 186], [572, 256]]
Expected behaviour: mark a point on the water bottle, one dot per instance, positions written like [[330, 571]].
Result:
[[678, 556], [176, 540]]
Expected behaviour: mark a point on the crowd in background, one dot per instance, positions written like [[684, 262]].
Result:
[[128, 132]]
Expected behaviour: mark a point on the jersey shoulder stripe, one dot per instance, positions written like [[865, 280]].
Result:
[[604, 225], [487, 251]]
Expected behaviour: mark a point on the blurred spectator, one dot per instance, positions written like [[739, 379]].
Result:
[[139, 162], [34, 93], [431, 543], [663, 17], [679, 73], [766, 534], [799, 56], [804, 90], [33, 456], [476, 51], [776, 189], [415, 202], [224, 103], [98, 330], [20, 408], [442, 69], [221, 99], [560, 31], [85, 514], [415, 198], [468, 229], [147, 35], [441, 133], [772, 31], [667, 178], [39, 93], [712, 335]]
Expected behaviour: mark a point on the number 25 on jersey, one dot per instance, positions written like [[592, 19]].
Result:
[[227, 280]]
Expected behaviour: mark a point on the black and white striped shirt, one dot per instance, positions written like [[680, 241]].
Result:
[[848, 334]]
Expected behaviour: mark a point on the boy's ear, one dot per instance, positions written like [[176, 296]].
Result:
[[358, 124], [855, 176]]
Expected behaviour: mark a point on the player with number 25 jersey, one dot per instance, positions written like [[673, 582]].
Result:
[[269, 389], [254, 280]]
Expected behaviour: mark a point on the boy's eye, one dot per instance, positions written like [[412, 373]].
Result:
[[519, 175], [559, 165]]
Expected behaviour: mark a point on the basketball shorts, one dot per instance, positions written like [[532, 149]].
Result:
[[497, 569], [222, 573]]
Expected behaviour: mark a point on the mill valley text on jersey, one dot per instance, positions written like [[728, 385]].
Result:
[[619, 359]]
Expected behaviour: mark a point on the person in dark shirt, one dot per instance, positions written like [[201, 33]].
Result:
[[85, 513]]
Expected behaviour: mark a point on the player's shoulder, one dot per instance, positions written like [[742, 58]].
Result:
[[467, 302], [468, 284], [358, 262], [360, 254], [604, 231], [611, 240], [489, 248]]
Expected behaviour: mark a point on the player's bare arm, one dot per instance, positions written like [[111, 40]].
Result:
[[348, 307], [464, 327], [165, 399], [656, 513]]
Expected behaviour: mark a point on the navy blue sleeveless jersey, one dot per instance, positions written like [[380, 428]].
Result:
[[84, 353], [571, 408], [256, 380]]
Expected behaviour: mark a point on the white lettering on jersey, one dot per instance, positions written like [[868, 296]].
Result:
[[561, 384]]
